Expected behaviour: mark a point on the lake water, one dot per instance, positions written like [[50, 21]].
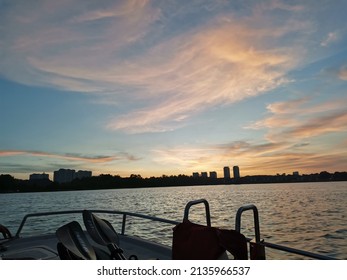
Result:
[[308, 216]]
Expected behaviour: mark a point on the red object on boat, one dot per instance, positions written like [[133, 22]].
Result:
[[198, 242]]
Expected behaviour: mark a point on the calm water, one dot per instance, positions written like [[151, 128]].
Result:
[[308, 216]]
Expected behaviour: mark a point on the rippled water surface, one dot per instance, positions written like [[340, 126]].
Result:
[[308, 216]]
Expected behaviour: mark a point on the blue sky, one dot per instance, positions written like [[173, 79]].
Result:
[[173, 87]]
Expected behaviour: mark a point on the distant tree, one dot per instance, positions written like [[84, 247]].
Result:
[[339, 176], [8, 183], [325, 176]]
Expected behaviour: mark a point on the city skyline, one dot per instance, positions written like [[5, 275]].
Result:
[[203, 174], [153, 88]]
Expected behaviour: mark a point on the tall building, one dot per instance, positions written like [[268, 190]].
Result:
[[83, 174], [213, 175], [226, 170], [68, 175], [203, 174], [64, 175], [196, 175], [236, 171], [42, 176]]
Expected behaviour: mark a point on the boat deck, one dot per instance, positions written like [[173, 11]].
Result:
[[45, 248]]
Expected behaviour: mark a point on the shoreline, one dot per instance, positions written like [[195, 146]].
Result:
[[53, 187]]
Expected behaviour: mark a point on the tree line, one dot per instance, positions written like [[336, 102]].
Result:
[[106, 181]]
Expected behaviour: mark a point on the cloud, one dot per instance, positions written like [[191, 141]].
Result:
[[247, 148], [252, 157], [276, 4], [211, 156], [63, 45], [290, 127], [182, 157], [331, 38], [299, 119], [117, 9], [24, 161], [10, 153], [343, 73], [211, 66], [74, 157], [171, 76], [291, 142], [9, 168], [331, 122], [281, 115]]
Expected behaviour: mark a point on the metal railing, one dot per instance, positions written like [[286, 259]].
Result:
[[262, 243], [123, 213], [241, 210], [195, 202]]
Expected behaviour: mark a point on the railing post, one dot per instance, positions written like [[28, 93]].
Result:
[[257, 248], [256, 219], [207, 209], [123, 223]]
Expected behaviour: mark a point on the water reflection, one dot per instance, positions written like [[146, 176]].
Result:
[[310, 216]]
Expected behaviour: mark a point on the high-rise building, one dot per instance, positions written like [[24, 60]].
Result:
[[203, 174], [83, 174], [226, 170], [213, 175], [64, 175], [195, 174], [42, 176], [68, 175], [236, 171]]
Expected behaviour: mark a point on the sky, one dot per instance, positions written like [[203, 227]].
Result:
[[173, 87]]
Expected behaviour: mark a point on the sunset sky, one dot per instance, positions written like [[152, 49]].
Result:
[[173, 87]]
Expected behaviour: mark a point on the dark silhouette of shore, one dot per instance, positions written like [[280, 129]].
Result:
[[106, 181]]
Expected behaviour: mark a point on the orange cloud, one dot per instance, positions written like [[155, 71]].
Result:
[[208, 158], [297, 119], [224, 60], [212, 65], [333, 122], [292, 142], [51, 47], [97, 159], [266, 158], [10, 153], [281, 115], [343, 73], [127, 8]]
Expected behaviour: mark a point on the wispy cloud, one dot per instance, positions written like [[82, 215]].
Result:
[[281, 115], [74, 157], [333, 122], [214, 65], [160, 65], [254, 158], [291, 142], [343, 73], [222, 60], [298, 119], [292, 132], [117, 9], [331, 38], [65, 46], [206, 158], [276, 4]]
